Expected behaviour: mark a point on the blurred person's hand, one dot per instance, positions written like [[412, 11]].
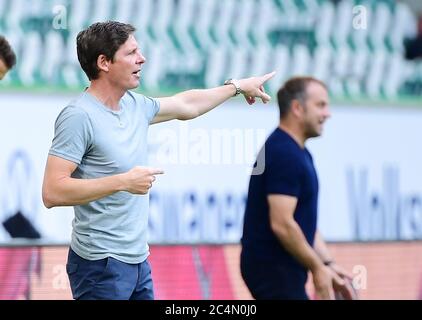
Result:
[[323, 282], [343, 290]]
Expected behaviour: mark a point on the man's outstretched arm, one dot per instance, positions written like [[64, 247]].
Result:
[[193, 103]]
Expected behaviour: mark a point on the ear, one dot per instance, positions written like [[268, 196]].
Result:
[[103, 63], [296, 108]]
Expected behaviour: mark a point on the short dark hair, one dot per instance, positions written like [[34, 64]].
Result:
[[100, 38], [6, 53], [294, 89]]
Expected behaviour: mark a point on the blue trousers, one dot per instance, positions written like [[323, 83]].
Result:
[[108, 279]]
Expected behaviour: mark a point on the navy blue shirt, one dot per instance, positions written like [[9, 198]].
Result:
[[289, 170]]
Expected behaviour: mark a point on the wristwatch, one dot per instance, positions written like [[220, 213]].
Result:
[[236, 85]]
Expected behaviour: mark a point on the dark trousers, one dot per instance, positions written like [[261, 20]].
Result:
[[269, 280], [108, 279]]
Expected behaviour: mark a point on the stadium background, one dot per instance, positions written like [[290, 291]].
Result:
[[368, 159]]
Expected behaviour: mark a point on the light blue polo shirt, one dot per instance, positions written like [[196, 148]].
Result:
[[102, 143]]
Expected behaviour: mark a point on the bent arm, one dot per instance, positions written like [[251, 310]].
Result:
[[282, 209], [287, 230], [60, 189]]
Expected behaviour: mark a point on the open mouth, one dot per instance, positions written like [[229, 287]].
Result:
[[137, 73]]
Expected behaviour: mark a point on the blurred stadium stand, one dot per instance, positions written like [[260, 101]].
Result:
[[193, 43]]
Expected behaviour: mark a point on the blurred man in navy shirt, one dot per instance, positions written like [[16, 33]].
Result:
[[280, 242]]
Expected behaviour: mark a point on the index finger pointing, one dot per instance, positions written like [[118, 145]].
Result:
[[268, 76]]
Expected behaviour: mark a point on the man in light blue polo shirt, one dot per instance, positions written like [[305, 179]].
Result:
[[97, 161]]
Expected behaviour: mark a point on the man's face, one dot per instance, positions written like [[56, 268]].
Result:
[[316, 110], [125, 70], [3, 69]]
